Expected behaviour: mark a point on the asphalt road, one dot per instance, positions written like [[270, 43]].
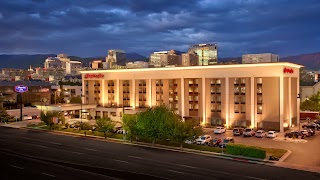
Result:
[[42, 155], [302, 153]]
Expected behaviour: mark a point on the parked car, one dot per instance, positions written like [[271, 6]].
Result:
[[317, 121], [215, 142], [311, 132], [292, 134], [219, 130], [272, 134], [248, 132], [311, 126], [305, 132], [27, 117], [237, 131], [226, 141], [260, 134], [191, 140], [204, 140], [34, 116]]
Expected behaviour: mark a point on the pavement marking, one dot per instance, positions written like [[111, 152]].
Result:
[[76, 152], [250, 177], [16, 166], [187, 166], [120, 161], [48, 174], [40, 146], [176, 171], [56, 143], [136, 157], [90, 149]]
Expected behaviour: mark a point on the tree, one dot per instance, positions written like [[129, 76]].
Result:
[[129, 125], [75, 99], [312, 103], [47, 117], [104, 125]]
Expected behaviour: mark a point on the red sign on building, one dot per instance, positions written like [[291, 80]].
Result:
[[287, 70], [87, 76]]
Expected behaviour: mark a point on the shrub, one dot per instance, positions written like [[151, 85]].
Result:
[[247, 151]]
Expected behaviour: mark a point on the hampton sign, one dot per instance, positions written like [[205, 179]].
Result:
[[288, 70], [21, 88], [88, 76]]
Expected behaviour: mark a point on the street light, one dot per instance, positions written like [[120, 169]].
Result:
[[298, 115], [81, 108], [55, 96]]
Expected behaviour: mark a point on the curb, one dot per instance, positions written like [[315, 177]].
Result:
[[285, 156], [163, 147]]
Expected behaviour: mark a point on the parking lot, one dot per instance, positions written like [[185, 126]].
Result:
[[304, 152]]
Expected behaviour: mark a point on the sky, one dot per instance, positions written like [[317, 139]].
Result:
[[88, 28]]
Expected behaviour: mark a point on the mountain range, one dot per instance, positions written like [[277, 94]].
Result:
[[23, 61]]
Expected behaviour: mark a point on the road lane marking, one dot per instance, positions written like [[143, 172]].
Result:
[[27, 138], [187, 166], [136, 157], [48, 174], [90, 149], [76, 152], [255, 178], [40, 146], [16, 166], [176, 171], [120, 161], [56, 143]]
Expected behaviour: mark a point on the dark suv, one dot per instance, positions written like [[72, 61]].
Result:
[[237, 131], [295, 134]]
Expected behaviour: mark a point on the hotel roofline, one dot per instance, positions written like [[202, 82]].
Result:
[[218, 66]]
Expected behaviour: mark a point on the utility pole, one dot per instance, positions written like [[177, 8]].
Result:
[[20, 99]]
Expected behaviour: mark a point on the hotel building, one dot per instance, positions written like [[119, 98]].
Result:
[[262, 95]]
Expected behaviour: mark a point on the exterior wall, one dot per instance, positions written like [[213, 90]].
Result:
[[278, 89]]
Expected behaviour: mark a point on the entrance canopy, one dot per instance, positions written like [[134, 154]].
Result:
[[65, 107]]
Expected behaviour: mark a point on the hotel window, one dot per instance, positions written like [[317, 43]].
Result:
[[243, 81], [243, 90], [190, 106], [213, 108], [236, 108], [212, 81], [259, 99], [236, 90], [195, 90], [218, 99], [236, 99], [218, 81], [190, 89], [259, 89], [259, 80], [236, 81], [218, 90], [190, 98], [243, 99], [213, 98], [219, 108], [259, 110], [243, 109], [196, 81], [196, 106], [190, 81]]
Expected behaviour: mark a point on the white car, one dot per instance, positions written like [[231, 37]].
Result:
[[27, 117], [272, 134], [260, 134], [204, 140], [219, 130]]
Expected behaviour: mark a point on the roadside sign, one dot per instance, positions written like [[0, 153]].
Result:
[[21, 88]]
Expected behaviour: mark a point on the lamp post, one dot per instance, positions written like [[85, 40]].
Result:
[[298, 115], [81, 108]]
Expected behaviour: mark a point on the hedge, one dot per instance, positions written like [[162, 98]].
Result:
[[247, 151]]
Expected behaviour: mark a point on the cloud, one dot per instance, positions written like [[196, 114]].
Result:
[[90, 28]]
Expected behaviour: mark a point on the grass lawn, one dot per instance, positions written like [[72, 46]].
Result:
[[275, 152]]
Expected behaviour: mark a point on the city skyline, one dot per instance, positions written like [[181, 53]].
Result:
[[89, 29]]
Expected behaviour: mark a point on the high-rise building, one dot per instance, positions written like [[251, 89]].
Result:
[[165, 58], [208, 53], [159, 59], [189, 59], [259, 58], [115, 56]]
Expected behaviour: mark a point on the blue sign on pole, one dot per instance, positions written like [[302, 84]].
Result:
[[21, 88]]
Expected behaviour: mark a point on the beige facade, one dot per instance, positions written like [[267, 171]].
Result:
[[307, 91], [251, 95]]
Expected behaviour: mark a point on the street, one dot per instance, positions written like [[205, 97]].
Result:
[[41, 154]]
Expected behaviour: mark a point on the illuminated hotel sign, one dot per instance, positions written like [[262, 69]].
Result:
[[287, 70], [87, 76]]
